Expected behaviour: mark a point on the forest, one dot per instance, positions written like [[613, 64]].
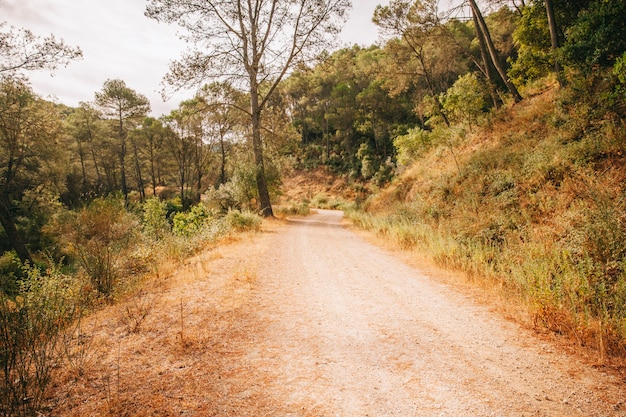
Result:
[[494, 141]]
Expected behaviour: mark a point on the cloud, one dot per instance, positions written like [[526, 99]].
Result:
[[118, 41]]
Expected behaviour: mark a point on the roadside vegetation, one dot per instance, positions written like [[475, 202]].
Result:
[[491, 137]]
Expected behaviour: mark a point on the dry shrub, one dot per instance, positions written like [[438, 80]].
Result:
[[99, 236]]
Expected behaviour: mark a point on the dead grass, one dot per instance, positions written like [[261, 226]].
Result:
[[187, 356]]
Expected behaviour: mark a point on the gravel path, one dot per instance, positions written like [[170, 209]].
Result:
[[348, 330]]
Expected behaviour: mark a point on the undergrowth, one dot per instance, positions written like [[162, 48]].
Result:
[[109, 253]]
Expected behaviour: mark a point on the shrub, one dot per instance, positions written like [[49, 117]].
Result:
[[10, 272], [191, 222], [98, 236], [242, 221], [155, 223], [31, 328]]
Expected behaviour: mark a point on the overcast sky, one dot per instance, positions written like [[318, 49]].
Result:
[[118, 41]]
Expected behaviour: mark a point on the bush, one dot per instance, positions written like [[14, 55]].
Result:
[[10, 273], [99, 236], [192, 222], [412, 145], [31, 329], [155, 224], [242, 221]]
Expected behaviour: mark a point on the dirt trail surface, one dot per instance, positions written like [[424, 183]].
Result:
[[311, 320]]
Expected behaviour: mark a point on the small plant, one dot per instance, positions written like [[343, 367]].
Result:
[[155, 223], [99, 236], [136, 310], [192, 222]]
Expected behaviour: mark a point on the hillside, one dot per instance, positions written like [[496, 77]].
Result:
[[532, 204]]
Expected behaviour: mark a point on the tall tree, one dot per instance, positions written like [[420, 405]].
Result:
[[85, 127], [414, 22], [124, 106], [152, 136], [252, 42], [554, 38], [180, 140]]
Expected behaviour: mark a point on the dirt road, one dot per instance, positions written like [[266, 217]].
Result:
[[354, 332], [308, 319]]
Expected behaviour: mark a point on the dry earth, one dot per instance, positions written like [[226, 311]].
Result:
[[308, 319]]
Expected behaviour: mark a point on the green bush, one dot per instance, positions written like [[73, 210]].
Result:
[[155, 224], [10, 273], [191, 222]]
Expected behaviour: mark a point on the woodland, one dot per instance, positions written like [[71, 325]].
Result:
[[494, 142]]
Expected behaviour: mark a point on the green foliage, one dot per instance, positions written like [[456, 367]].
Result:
[[532, 37], [32, 325], [241, 221], [598, 35], [191, 222], [155, 223], [10, 273], [465, 100]]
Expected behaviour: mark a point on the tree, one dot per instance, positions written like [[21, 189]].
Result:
[[417, 24], [85, 127], [180, 140], [253, 43], [29, 128], [152, 136], [21, 50], [124, 106]]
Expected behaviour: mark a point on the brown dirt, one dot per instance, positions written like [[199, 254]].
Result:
[[308, 319]]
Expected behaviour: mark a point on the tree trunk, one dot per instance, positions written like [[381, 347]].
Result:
[[97, 168], [140, 184], [13, 235], [122, 156], [554, 40], [483, 30], [257, 146], [484, 54], [223, 159]]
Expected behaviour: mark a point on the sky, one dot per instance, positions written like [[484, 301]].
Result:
[[118, 41]]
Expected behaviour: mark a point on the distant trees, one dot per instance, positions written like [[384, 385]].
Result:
[[125, 108]]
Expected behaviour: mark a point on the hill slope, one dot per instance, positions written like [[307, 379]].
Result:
[[534, 203]]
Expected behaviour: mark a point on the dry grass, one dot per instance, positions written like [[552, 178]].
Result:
[[186, 356]]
